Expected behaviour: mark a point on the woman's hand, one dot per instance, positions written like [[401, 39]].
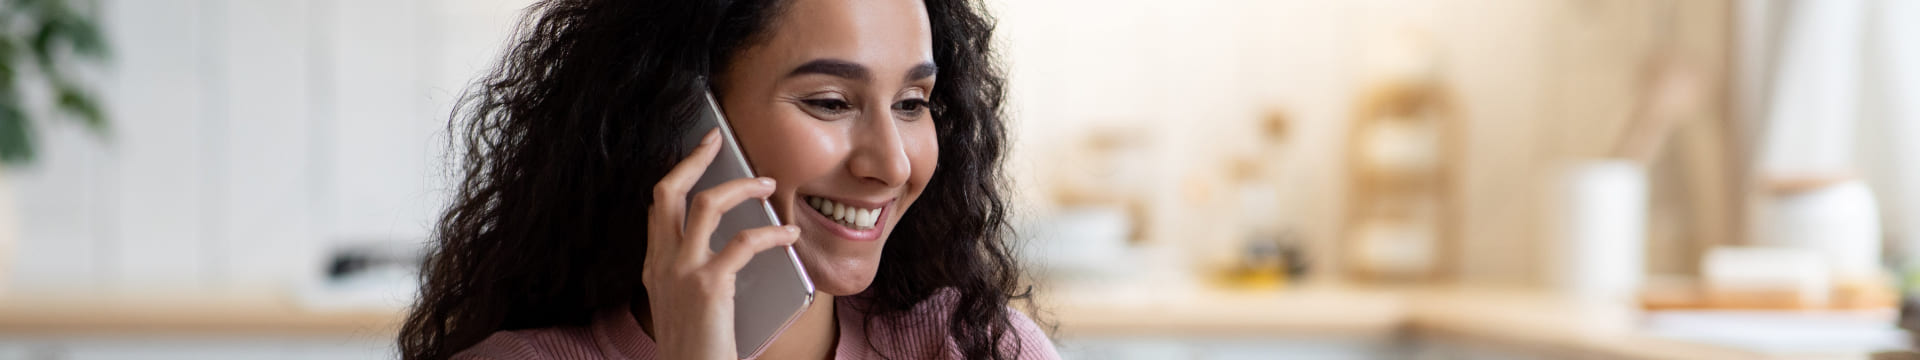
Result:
[[689, 287]]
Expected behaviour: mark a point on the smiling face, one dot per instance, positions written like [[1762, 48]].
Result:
[[833, 105]]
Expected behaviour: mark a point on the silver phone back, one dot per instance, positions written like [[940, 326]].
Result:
[[773, 289]]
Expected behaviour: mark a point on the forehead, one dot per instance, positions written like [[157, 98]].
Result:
[[884, 34]]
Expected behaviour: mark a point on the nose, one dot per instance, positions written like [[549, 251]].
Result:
[[878, 155]]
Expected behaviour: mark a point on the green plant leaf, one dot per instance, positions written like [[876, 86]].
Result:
[[7, 47], [16, 146], [80, 104], [83, 34], [41, 43], [6, 62]]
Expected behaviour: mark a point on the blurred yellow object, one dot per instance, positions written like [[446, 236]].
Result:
[[1249, 278], [1263, 265]]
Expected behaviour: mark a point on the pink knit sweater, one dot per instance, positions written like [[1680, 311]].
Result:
[[614, 334]]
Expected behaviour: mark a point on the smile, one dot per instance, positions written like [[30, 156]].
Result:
[[850, 216]]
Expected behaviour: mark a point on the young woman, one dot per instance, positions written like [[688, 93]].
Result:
[[566, 239]]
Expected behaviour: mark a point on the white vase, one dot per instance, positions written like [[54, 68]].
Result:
[[1601, 213]]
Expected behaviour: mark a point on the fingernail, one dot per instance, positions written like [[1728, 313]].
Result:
[[766, 181], [711, 136], [792, 229]]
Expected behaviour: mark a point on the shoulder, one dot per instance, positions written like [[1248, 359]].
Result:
[[1030, 341], [542, 343], [926, 326]]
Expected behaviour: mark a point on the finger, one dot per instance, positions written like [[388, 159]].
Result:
[[708, 206], [666, 215], [735, 256], [671, 194]]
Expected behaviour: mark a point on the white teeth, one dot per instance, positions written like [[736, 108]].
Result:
[[866, 218], [846, 215]]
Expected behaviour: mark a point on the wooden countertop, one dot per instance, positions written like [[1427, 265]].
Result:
[[175, 316], [1546, 324], [1335, 312], [1520, 319], [1533, 321]]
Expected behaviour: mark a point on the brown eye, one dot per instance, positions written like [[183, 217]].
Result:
[[911, 109], [829, 105]]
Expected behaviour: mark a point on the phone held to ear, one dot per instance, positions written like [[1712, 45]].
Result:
[[773, 289]]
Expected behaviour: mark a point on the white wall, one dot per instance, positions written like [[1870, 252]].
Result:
[[248, 136]]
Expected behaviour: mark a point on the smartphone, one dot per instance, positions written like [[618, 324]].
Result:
[[773, 289]]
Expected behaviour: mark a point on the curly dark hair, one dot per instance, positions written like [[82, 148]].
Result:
[[559, 144]]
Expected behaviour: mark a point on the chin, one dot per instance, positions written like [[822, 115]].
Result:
[[841, 278], [837, 266]]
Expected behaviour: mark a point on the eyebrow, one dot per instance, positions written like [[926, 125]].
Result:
[[850, 70], [831, 67], [922, 71]]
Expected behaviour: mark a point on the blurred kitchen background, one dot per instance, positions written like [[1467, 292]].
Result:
[[1234, 179]]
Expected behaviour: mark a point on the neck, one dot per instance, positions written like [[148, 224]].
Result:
[[812, 336]]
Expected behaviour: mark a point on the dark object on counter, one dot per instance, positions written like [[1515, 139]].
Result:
[[1294, 258], [1278, 258], [1910, 321], [348, 260]]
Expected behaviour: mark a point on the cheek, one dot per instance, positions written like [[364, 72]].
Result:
[[792, 148], [789, 147], [922, 145]]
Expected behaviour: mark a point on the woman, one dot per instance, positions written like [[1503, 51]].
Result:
[[565, 240]]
